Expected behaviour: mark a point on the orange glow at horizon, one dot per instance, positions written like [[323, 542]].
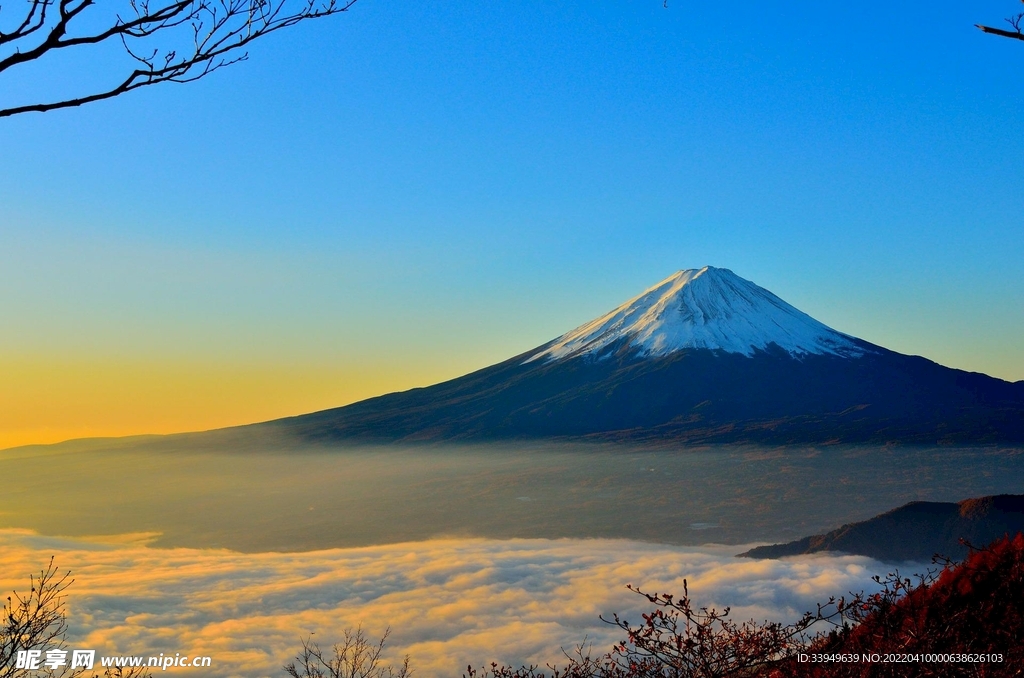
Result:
[[44, 401]]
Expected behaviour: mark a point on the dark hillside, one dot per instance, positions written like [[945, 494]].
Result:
[[972, 617], [915, 531], [692, 396]]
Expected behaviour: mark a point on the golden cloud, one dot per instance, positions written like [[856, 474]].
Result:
[[449, 603]]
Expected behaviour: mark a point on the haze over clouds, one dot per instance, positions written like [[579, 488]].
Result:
[[448, 602], [250, 494]]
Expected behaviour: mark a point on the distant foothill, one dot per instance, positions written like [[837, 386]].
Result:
[[916, 531]]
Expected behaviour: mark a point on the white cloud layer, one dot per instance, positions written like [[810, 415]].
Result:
[[448, 602]]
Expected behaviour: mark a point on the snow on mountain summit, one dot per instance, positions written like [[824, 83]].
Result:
[[709, 308]]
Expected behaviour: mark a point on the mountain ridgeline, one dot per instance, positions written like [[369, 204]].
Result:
[[702, 357], [915, 531]]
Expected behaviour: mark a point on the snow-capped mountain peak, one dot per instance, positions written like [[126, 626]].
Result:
[[707, 308]]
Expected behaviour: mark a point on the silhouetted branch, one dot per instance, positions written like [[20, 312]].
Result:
[[203, 36], [36, 620], [1014, 22], [355, 657]]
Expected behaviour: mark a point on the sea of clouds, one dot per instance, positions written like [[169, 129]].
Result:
[[448, 603]]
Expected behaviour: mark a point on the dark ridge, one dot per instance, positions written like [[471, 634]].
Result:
[[915, 531], [690, 397]]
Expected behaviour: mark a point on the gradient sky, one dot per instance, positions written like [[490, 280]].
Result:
[[411, 191]]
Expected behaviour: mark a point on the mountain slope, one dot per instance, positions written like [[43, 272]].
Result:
[[704, 356], [915, 531]]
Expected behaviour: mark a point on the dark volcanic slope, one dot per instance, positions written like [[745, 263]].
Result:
[[915, 531], [703, 356], [693, 395]]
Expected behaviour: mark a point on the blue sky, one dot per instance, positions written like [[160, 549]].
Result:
[[408, 191]]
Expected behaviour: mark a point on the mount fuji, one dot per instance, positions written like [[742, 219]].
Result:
[[709, 308], [704, 356]]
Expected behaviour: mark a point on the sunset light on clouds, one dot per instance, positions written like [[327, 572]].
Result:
[[365, 329], [449, 602]]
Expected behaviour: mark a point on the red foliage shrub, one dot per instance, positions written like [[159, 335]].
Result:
[[967, 620]]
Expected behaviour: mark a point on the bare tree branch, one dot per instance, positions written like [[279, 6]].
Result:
[[998, 31], [34, 620], [198, 37], [355, 657], [1014, 21], [37, 620]]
